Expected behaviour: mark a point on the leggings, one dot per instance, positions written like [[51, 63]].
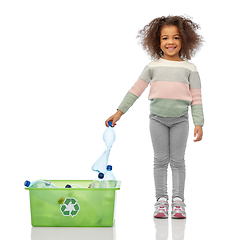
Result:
[[169, 138]]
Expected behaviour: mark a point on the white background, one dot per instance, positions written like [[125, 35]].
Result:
[[65, 67]]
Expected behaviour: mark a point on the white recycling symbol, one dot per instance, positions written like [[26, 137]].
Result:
[[70, 207]]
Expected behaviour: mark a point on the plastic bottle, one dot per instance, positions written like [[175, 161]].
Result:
[[97, 183], [108, 138], [109, 180], [39, 184], [73, 186]]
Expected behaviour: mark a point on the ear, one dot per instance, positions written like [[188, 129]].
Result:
[[161, 52]]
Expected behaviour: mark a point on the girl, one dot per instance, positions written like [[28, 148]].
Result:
[[174, 85]]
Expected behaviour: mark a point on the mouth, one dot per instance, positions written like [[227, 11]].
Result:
[[170, 48]]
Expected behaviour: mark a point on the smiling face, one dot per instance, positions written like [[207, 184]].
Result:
[[170, 43]]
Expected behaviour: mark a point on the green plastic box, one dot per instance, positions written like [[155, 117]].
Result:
[[72, 207]]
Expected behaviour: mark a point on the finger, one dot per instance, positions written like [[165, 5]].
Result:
[[199, 138], [108, 120], [106, 123], [114, 123], [195, 139], [195, 133]]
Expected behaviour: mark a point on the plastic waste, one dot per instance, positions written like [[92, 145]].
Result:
[[109, 180], [109, 138], [73, 186], [39, 184], [97, 183]]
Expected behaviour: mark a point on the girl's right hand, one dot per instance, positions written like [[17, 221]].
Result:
[[114, 118]]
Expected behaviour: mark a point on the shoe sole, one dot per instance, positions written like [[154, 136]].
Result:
[[161, 215], [178, 215]]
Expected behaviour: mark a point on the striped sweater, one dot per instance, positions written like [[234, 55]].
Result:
[[174, 85]]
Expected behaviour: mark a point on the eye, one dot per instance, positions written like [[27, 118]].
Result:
[[164, 38], [176, 38]]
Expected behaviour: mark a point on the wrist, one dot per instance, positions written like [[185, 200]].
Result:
[[120, 113]]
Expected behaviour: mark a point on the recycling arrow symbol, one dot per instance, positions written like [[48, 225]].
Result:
[[70, 207]]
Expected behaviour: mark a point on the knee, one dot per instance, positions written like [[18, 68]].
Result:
[[177, 163], [161, 160]]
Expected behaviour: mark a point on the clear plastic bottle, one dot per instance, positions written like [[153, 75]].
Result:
[[109, 180], [108, 138], [97, 183], [39, 184]]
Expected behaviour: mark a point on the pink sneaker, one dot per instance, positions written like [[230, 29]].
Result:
[[178, 208], [161, 208]]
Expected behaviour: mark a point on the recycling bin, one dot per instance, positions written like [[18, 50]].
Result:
[[72, 207]]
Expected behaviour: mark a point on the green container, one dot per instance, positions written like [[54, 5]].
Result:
[[72, 207]]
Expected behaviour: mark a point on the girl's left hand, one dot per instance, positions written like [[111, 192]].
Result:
[[198, 131]]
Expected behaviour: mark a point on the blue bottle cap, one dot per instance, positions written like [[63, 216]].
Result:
[[68, 186], [27, 183], [101, 175], [109, 167], [110, 124]]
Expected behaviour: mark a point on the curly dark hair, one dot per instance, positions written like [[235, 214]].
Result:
[[191, 41]]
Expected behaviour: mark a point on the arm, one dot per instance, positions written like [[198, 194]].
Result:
[[132, 95], [196, 105]]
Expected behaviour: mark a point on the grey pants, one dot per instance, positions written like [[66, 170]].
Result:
[[169, 137]]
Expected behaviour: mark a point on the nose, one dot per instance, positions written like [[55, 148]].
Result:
[[170, 41]]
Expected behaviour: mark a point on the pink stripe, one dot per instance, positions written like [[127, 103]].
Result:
[[138, 88], [170, 90], [196, 96]]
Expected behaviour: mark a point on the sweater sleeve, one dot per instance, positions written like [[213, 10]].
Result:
[[135, 92], [196, 105]]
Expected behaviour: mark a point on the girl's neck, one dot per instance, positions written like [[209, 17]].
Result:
[[174, 59]]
